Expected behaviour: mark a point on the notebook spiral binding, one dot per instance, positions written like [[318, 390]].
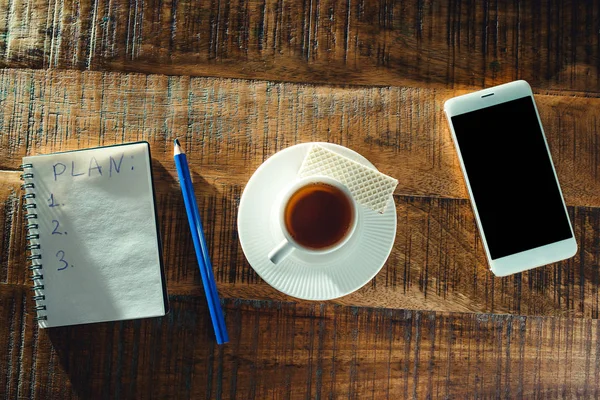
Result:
[[33, 235]]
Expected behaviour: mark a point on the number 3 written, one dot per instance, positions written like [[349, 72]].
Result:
[[61, 254]]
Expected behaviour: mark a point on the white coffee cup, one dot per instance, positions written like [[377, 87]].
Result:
[[289, 244]]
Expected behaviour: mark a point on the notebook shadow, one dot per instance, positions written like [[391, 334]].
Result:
[[144, 358], [84, 350], [92, 355]]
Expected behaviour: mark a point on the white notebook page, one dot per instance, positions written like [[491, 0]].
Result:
[[98, 235]]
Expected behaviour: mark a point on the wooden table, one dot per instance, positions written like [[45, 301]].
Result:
[[239, 80]]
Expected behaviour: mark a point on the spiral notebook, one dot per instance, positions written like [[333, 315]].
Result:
[[95, 250]]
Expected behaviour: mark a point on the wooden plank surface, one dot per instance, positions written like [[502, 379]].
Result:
[[458, 43], [380, 342], [298, 351], [437, 263], [229, 127]]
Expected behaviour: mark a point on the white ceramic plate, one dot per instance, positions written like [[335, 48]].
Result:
[[310, 277]]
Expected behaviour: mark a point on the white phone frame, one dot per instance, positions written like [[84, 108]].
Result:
[[527, 259]]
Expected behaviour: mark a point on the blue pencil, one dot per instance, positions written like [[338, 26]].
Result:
[[208, 278]]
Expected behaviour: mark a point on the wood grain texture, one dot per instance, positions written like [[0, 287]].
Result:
[[229, 127], [297, 351], [12, 241], [458, 43], [380, 342]]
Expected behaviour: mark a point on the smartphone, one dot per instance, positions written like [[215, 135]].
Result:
[[513, 187]]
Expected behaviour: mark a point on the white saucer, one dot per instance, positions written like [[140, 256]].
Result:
[[322, 277]]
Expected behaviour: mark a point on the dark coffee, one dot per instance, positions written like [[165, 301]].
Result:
[[318, 215]]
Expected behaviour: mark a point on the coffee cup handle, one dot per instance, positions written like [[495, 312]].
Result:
[[279, 253]]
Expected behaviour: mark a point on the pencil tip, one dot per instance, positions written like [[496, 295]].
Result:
[[177, 147]]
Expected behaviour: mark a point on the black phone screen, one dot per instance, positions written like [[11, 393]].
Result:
[[510, 172]]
